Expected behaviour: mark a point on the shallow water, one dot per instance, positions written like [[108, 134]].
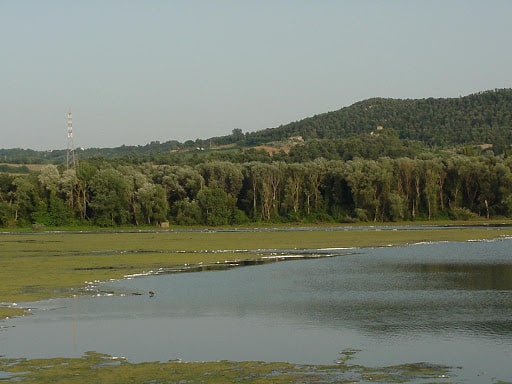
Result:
[[445, 303]]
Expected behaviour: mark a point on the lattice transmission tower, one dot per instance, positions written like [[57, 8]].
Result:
[[71, 157]]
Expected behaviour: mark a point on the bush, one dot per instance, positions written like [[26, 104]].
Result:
[[457, 213], [239, 217], [320, 217], [361, 214]]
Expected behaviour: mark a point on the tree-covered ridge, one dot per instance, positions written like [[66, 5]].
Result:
[[484, 117], [481, 118]]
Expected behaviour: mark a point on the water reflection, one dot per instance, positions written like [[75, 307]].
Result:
[[435, 288], [428, 302]]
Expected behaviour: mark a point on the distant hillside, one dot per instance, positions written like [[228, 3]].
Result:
[[484, 117], [480, 118], [29, 156]]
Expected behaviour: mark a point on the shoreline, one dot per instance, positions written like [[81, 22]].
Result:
[[261, 260], [96, 363], [58, 264]]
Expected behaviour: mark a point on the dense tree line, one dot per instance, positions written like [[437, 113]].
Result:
[[220, 192]]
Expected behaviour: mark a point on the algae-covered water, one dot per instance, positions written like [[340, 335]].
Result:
[[444, 303]]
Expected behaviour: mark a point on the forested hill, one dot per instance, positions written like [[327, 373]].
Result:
[[484, 117], [480, 118]]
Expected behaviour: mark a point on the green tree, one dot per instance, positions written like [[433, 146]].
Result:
[[216, 205], [314, 174], [54, 213], [24, 198], [238, 135], [502, 182], [133, 180], [7, 212], [186, 212], [85, 174], [152, 201], [294, 187], [49, 178], [69, 189], [252, 172], [109, 202], [405, 168], [224, 175]]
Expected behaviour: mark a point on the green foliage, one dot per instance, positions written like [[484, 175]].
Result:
[[238, 217], [484, 117], [457, 213], [222, 193], [186, 212], [55, 214], [6, 214], [385, 144], [373, 161], [216, 205], [108, 198], [6, 168]]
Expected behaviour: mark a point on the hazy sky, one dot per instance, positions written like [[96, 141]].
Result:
[[138, 71]]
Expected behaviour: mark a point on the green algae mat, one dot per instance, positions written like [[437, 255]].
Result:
[[97, 368]]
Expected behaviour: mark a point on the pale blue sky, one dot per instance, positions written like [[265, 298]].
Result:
[[137, 71]]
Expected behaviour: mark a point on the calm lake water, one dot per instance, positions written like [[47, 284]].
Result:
[[446, 303]]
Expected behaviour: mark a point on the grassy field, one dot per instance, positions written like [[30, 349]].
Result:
[[48, 264]]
